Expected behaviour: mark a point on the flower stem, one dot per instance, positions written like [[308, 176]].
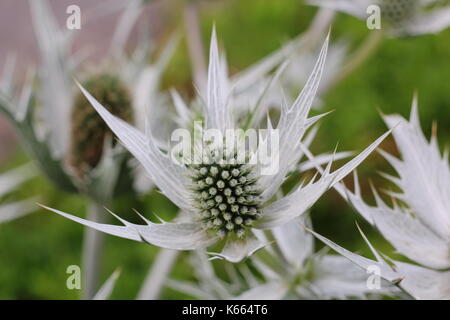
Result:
[[365, 51], [92, 252], [318, 26], [194, 42], [157, 274]]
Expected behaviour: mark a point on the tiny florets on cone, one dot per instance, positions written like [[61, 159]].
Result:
[[226, 196]]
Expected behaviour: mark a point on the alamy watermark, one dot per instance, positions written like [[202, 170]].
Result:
[[73, 281], [374, 280], [73, 21], [373, 21]]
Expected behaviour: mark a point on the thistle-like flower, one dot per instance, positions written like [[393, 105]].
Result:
[[63, 137], [418, 224], [400, 17], [66, 141], [225, 200], [9, 181]]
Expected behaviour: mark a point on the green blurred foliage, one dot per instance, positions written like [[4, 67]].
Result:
[[36, 250]]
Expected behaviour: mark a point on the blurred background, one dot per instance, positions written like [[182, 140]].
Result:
[[36, 250]]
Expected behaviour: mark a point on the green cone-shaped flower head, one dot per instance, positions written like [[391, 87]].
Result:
[[227, 197], [88, 130]]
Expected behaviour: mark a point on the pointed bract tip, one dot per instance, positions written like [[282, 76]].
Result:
[[434, 128], [77, 82], [335, 149], [380, 112], [414, 114], [213, 34], [141, 216], [398, 280], [330, 28], [374, 191], [43, 206], [359, 228], [116, 216], [307, 229]]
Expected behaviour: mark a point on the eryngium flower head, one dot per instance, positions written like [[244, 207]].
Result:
[[43, 117], [399, 17], [418, 223], [234, 200], [399, 12], [88, 130], [227, 197]]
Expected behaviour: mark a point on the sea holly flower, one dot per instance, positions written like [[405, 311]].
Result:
[[49, 120], [9, 181], [399, 17], [239, 199], [424, 181], [418, 223]]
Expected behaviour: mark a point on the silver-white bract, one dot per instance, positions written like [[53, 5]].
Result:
[[173, 180], [293, 270], [256, 88], [299, 58], [418, 224], [9, 181], [300, 272], [423, 17], [107, 288]]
